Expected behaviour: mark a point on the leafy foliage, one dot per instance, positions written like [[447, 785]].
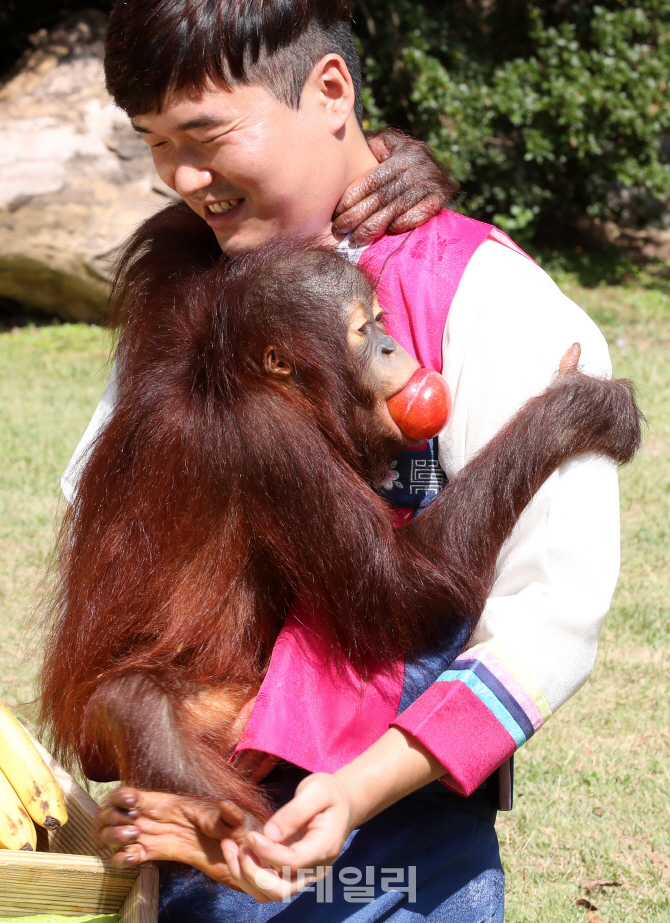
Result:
[[543, 111]]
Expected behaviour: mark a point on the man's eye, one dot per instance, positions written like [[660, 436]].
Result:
[[157, 145]]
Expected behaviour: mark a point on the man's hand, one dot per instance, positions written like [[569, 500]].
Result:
[[310, 831], [298, 844], [407, 189]]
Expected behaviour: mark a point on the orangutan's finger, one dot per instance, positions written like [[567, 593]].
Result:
[[377, 224], [386, 179], [352, 219], [264, 767], [118, 837], [255, 764], [129, 857], [570, 359], [125, 798], [387, 142], [113, 817], [379, 146], [246, 761], [427, 208], [231, 815]]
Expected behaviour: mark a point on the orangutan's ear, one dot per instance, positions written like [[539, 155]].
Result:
[[275, 363]]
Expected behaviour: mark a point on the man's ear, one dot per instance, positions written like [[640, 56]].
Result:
[[331, 82], [275, 363]]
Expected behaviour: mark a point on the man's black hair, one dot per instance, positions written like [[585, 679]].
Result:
[[155, 47]]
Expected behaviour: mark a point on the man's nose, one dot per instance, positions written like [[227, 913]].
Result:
[[189, 180]]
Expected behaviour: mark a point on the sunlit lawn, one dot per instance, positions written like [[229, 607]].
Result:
[[593, 788], [50, 381]]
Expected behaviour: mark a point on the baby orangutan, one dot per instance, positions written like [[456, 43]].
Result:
[[251, 422]]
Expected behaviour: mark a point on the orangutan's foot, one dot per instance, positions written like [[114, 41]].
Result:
[[153, 826]]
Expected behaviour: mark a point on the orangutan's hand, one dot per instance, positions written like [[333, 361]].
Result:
[[254, 765], [407, 188], [154, 826]]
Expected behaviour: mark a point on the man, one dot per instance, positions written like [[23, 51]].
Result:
[[251, 115]]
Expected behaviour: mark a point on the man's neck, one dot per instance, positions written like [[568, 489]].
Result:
[[359, 161]]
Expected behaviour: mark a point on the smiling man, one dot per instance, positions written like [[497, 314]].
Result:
[[259, 141], [252, 167], [252, 112]]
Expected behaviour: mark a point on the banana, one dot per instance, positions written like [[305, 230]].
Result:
[[17, 831], [29, 775]]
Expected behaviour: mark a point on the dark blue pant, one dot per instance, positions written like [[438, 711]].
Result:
[[450, 842]]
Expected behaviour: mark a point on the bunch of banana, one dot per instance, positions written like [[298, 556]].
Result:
[[27, 788]]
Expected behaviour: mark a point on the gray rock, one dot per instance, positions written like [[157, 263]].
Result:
[[75, 179]]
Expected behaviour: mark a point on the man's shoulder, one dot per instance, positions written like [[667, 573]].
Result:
[[505, 298], [504, 281]]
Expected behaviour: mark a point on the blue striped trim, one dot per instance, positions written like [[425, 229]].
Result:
[[487, 698], [500, 691]]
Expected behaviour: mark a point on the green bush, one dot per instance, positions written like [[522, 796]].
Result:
[[543, 111]]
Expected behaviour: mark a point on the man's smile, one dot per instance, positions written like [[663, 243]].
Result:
[[220, 208]]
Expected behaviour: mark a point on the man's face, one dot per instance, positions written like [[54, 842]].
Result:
[[249, 165]]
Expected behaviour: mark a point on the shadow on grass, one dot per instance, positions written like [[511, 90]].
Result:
[[13, 315], [606, 265]]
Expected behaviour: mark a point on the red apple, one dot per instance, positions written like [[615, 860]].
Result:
[[423, 406]]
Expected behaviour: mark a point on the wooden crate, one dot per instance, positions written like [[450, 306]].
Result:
[[69, 872]]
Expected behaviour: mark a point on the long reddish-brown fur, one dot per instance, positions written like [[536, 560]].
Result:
[[216, 494]]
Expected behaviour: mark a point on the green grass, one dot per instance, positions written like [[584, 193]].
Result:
[[50, 381], [593, 788]]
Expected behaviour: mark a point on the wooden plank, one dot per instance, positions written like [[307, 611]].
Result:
[[57, 883], [89, 864], [141, 905], [42, 839]]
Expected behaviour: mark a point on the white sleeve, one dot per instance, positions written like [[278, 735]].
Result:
[[99, 420], [507, 329]]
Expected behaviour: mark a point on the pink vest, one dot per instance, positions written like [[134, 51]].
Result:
[[310, 711]]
